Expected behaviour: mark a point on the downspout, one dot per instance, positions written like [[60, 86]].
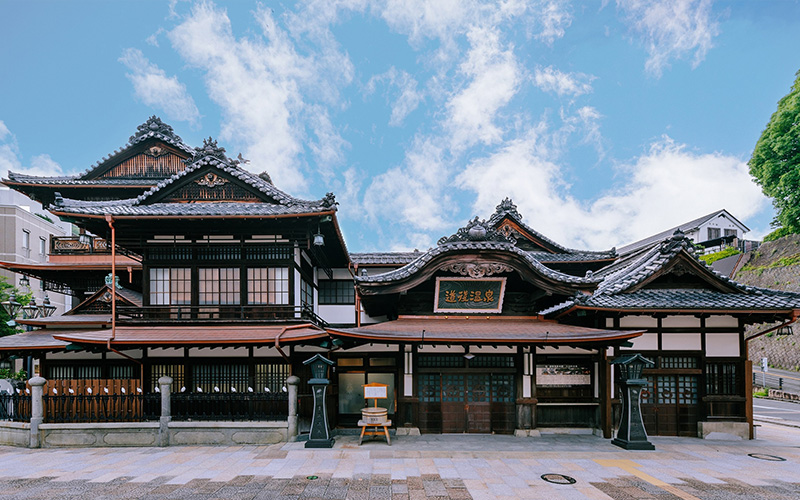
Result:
[[794, 318], [141, 365], [110, 221], [278, 340]]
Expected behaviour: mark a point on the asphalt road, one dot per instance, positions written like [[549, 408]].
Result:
[[774, 410], [775, 378]]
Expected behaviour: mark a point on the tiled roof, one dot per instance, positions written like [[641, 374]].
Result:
[[35, 340], [474, 246], [384, 258], [507, 208], [153, 128], [74, 181], [618, 289], [695, 299], [578, 256], [480, 329], [686, 227], [209, 155]]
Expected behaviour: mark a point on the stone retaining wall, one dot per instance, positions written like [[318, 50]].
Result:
[[791, 396]]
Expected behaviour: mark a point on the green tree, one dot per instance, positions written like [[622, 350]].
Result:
[[775, 163], [5, 292]]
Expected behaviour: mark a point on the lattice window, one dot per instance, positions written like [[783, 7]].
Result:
[[220, 378], [176, 372], [666, 390], [88, 372], [219, 253], [306, 293], [679, 362], [219, 286], [721, 379], [646, 396], [503, 388], [430, 388], [333, 292], [122, 371], [169, 253], [440, 361], [170, 286], [268, 285], [491, 361], [268, 252], [271, 376], [687, 389]]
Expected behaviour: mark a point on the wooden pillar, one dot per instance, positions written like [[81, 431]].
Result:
[[748, 389], [605, 394]]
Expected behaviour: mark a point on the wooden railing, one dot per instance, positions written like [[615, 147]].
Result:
[[172, 314], [72, 245]]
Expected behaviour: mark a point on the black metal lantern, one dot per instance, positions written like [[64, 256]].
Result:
[[46, 309], [11, 307], [31, 311], [631, 434], [319, 367]]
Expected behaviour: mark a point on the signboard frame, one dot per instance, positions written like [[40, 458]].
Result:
[[374, 391], [450, 310]]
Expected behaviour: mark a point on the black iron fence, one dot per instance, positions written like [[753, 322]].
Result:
[[15, 407], [237, 406], [101, 408]]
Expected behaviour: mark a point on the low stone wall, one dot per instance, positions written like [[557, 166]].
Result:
[[98, 435], [789, 396], [15, 434], [723, 430], [93, 435], [227, 433]]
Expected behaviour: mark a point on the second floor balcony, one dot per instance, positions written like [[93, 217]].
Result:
[[216, 314], [78, 245]]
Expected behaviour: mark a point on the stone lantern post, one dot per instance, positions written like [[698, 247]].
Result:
[[631, 434], [320, 436]]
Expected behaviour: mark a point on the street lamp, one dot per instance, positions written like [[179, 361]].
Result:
[[631, 434], [31, 311], [46, 309], [11, 307]]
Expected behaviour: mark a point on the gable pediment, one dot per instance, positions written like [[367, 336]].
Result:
[[153, 160], [208, 184], [683, 272]]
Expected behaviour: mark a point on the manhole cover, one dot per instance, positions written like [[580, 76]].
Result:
[[771, 458], [312, 477], [558, 479]]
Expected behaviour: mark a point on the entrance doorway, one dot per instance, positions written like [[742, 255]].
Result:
[[467, 402], [669, 405]]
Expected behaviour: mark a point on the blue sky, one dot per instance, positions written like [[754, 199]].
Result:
[[604, 121]]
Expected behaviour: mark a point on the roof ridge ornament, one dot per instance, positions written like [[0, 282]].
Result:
[[479, 230], [153, 126], [210, 148], [507, 207], [478, 270], [329, 201], [676, 242]]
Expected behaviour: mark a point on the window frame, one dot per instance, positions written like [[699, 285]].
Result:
[[323, 293]]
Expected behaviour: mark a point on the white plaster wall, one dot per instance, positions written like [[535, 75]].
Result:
[[341, 273], [722, 322], [722, 344], [219, 352], [564, 350], [338, 314], [441, 349], [135, 353], [638, 322], [681, 342], [372, 348], [681, 322], [647, 342], [166, 352], [75, 355]]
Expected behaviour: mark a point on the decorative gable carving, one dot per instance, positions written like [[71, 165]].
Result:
[[211, 180], [155, 162]]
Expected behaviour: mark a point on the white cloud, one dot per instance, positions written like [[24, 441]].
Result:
[[666, 186], [154, 88], [268, 92], [412, 194], [409, 96], [10, 158], [494, 78], [671, 29], [550, 79], [554, 19]]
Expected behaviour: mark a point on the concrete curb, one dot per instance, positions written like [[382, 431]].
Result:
[[778, 421]]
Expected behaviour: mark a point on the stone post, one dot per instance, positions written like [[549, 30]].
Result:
[[37, 409], [292, 383], [164, 385]]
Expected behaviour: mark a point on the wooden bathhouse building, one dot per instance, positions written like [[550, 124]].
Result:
[[227, 283]]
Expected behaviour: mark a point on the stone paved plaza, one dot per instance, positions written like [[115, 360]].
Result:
[[441, 467]]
